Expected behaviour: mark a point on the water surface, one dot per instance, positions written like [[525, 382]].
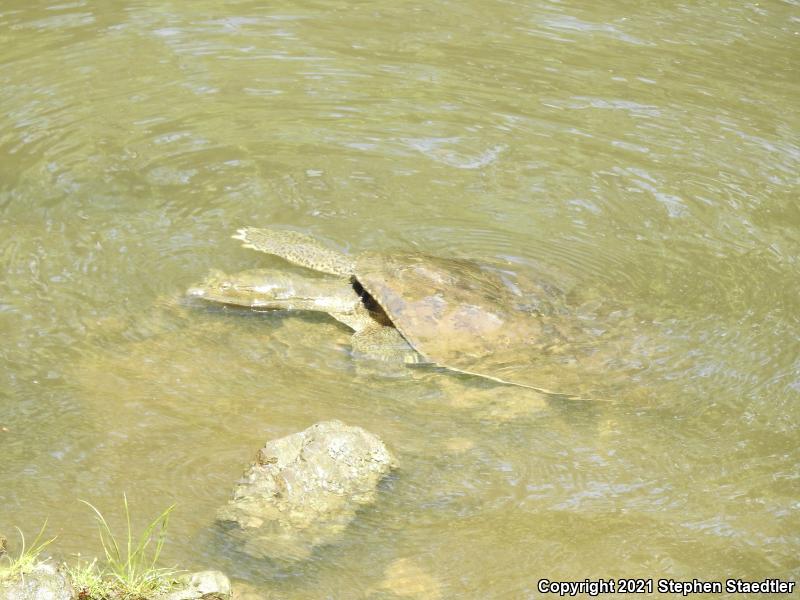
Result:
[[645, 155]]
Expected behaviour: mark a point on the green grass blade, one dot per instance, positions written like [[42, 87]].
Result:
[[107, 540], [28, 557], [136, 574]]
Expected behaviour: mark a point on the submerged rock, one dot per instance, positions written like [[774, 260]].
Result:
[[304, 489], [43, 582], [203, 585], [407, 579]]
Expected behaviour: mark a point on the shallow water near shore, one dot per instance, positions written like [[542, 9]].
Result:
[[643, 156]]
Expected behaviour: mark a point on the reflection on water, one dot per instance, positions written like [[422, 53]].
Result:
[[643, 155]]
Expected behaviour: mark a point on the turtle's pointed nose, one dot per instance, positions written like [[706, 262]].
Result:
[[196, 292]]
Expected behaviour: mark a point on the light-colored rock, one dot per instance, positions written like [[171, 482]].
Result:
[[304, 489], [44, 582], [203, 585], [458, 445], [405, 578]]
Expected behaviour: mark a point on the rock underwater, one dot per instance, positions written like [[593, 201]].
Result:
[[202, 585], [304, 489]]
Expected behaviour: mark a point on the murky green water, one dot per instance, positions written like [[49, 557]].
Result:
[[644, 153]]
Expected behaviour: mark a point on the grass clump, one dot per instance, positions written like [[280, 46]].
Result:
[[131, 568], [87, 580], [27, 559]]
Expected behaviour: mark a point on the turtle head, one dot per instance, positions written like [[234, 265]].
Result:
[[275, 289], [259, 287]]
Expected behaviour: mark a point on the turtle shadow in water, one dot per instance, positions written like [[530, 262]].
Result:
[[464, 392]]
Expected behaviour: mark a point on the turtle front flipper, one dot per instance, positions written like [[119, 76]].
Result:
[[297, 248], [383, 342]]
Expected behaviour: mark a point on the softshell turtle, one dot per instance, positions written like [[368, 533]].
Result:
[[454, 313]]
